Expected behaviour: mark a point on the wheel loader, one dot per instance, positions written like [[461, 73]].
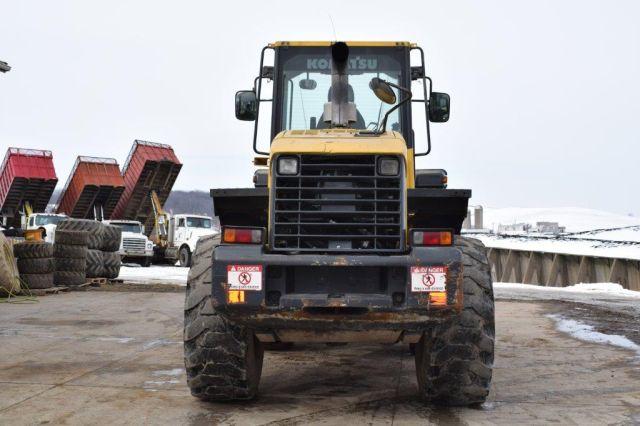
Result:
[[341, 239]]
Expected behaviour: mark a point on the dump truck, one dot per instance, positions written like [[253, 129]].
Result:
[[134, 244], [342, 239], [27, 181]]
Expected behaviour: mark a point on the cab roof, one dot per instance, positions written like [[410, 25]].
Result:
[[349, 43]]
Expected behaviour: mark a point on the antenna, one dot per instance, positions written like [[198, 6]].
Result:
[[335, 36]]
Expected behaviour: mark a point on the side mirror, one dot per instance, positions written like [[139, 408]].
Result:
[[308, 84], [246, 105], [383, 91], [439, 107]]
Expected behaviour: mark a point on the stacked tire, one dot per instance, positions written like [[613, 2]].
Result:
[[70, 250], [36, 264], [111, 261]]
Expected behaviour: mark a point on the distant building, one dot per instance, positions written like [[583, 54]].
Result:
[[549, 228], [514, 227]]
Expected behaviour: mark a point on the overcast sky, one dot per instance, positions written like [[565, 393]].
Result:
[[545, 94]]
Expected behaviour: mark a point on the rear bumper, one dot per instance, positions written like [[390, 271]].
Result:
[[306, 296]]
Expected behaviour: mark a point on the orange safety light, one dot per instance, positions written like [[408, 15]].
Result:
[[427, 237]]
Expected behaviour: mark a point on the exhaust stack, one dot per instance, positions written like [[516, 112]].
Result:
[[339, 111]]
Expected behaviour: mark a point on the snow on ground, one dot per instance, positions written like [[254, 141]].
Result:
[[156, 274], [588, 232], [588, 333], [573, 218]]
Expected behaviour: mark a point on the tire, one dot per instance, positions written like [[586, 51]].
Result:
[[69, 278], [95, 264], [111, 238], [33, 250], [223, 360], [94, 230], [146, 262], [71, 265], [36, 266], [184, 257], [111, 265], [69, 252], [36, 281], [71, 237], [454, 360]]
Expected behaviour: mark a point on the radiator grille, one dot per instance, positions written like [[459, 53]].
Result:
[[337, 203], [137, 244]]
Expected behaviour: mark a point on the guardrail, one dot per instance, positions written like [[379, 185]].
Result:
[[561, 270]]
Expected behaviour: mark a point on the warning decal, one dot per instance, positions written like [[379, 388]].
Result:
[[244, 277], [428, 278]]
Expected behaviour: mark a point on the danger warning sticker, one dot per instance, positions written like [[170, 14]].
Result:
[[428, 278], [244, 277]]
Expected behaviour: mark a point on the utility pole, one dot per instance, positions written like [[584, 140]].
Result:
[[4, 67]]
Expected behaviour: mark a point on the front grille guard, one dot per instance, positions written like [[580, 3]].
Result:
[[342, 226]]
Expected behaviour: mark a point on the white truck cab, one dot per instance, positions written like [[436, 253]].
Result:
[[45, 221], [184, 231], [134, 245]]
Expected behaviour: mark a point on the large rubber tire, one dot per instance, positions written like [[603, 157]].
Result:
[[68, 278], [71, 237], [223, 360], [111, 262], [36, 281], [71, 265], [33, 250], [95, 264], [111, 238], [69, 251], [454, 361], [184, 257], [36, 266], [94, 229]]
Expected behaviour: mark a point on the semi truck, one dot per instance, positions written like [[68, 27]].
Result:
[[342, 238]]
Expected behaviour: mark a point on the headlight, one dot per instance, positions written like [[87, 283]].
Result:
[[388, 166], [288, 166]]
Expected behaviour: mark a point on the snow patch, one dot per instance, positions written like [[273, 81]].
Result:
[[595, 289], [154, 275], [587, 333], [173, 372], [115, 339]]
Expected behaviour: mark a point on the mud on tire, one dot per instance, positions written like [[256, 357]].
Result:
[[454, 361], [36, 281], [111, 264], [36, 266], [223, 360], [33, 250]]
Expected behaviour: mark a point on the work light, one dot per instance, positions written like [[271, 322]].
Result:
[[288, 166], [388, 166]]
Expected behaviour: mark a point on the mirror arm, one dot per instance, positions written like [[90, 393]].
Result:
[[398, 105], [426, 103], [258, 92]]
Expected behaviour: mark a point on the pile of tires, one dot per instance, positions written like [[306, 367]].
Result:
[[111, 261], [70, 251], [36, 264]]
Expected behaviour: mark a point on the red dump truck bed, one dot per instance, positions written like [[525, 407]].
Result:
[[149, 167], [26, 175], [94, 183]]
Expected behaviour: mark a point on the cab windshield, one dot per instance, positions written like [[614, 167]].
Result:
[[134, 228], [305, 81], [42, 220], [198, 222]]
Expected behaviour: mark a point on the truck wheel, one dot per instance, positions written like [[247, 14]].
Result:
[[66, 251], [111, 237], [71, 237], [94, 229], [95, 264], [70, 264], [69, 278], [184, 257], [112, 263], [37, 281], [454, 360], [33, 250], [36, 266], [146, 262], [223, 360]]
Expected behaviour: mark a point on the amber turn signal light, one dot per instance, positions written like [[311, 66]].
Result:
[[424, 237], [239, 235]]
